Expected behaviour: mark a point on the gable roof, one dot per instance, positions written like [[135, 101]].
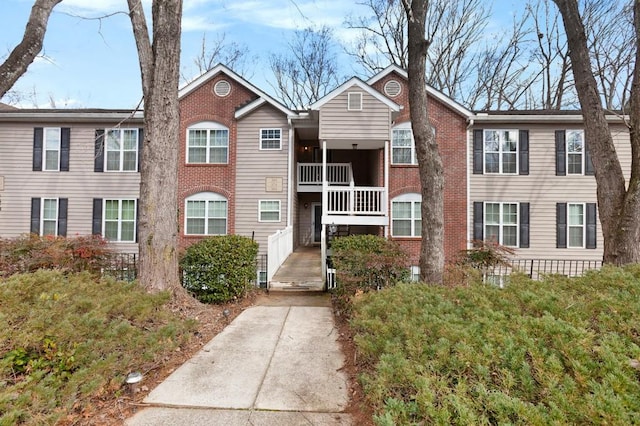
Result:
[[220, 68], [355, 81], [430, 90]]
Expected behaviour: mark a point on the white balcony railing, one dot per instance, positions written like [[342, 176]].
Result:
[[310, 175], [357, 200]]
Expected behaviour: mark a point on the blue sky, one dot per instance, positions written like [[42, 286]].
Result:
[[93, 62]]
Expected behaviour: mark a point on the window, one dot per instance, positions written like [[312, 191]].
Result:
[[572, 157], [270, 139], [207, 143], [414, 273], [402, 145], [502, 223], [49, 216], [269, 211], [576, 225], [51, 148], [119, 220], [500, 151], [206, 214], [121, 150], [354, 101], [406, 216], [575, 145]]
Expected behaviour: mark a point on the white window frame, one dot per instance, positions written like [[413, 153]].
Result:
[[583, 225], [501, 138], [43, 201], [501, 225], [45, 148], [208, 126], [349, 96], [207, 197], [119, 220], [268, 138], [121, 151], [412, 198], [414, 273], [581, 153], [261, 210], [403, 127]]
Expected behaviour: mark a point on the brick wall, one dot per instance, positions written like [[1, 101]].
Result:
[[451, 136], [203, 105]]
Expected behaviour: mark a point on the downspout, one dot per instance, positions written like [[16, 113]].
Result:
[[289, 174], [468, 216]]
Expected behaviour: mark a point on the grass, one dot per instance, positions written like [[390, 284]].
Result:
[[534, 353], [68, 338]]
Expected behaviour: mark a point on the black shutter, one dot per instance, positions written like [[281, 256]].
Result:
[[37, 149], [96, 228], [478, 151], [561, 152], [561, 225], [137, 217], [588, 164], [524, 225], [35, 216], [591, 225], [98, 165], [65, 144], [478, 221], [524, 152], [140, 143], [62, 216]]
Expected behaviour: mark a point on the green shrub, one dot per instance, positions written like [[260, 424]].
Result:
[[367, 262], [472, 266], [218, 269], [28, 253], [559, 351]]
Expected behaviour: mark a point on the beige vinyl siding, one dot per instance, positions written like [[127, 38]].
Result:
[[373, 122], [543, 189], [253, 166], [80, 184]]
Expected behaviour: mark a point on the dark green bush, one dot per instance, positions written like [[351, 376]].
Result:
[[218, 269], [367, 262], [32, 252]]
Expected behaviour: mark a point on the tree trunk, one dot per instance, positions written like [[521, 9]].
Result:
[[24, 53], [618, 207], [429, 161], [158, 220]]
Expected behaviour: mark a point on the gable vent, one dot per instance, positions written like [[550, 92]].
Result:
[[222, 88], [354, 101], [392, 88]]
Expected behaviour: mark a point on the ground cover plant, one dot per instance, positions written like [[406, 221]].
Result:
[[560, 351], [68, 338]]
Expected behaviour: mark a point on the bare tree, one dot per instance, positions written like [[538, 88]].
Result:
[[308, 71], [618, 203], [159, 67], [429, 160], [231, 54], [26, 51]]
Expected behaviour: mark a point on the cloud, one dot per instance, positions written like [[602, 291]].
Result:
[[200, 23]]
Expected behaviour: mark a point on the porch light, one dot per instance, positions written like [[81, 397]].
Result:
[[332, 228], [355, 146]]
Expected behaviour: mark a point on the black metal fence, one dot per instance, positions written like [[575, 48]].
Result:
[[536, 268], [124, 267]]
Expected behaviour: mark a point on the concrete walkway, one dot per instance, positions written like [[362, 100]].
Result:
[[275, 364], [302, 270]]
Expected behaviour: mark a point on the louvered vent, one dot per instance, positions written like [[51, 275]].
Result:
[[222, 88], [354, 101], [392, 88]]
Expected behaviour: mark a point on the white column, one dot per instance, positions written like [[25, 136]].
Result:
[[385, 197]]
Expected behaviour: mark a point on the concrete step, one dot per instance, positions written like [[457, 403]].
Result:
[[314, 285]]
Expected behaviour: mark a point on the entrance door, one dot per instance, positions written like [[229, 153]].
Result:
[[316, 222]]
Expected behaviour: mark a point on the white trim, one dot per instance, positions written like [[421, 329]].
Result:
[[355, 81], [220, 83], [501, 222], [354, 98], [583, 226], [267, 129], [260, 211], [119, 221], [582, 152], [404, 126], [42, 219], [412, 198], [207, 126], [500, 152], [121, 151], [194, 84], [44, 149], [483, 117], [206, 197], [430, 90]]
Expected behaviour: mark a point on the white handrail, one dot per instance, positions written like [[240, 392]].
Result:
[[279, 247]]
